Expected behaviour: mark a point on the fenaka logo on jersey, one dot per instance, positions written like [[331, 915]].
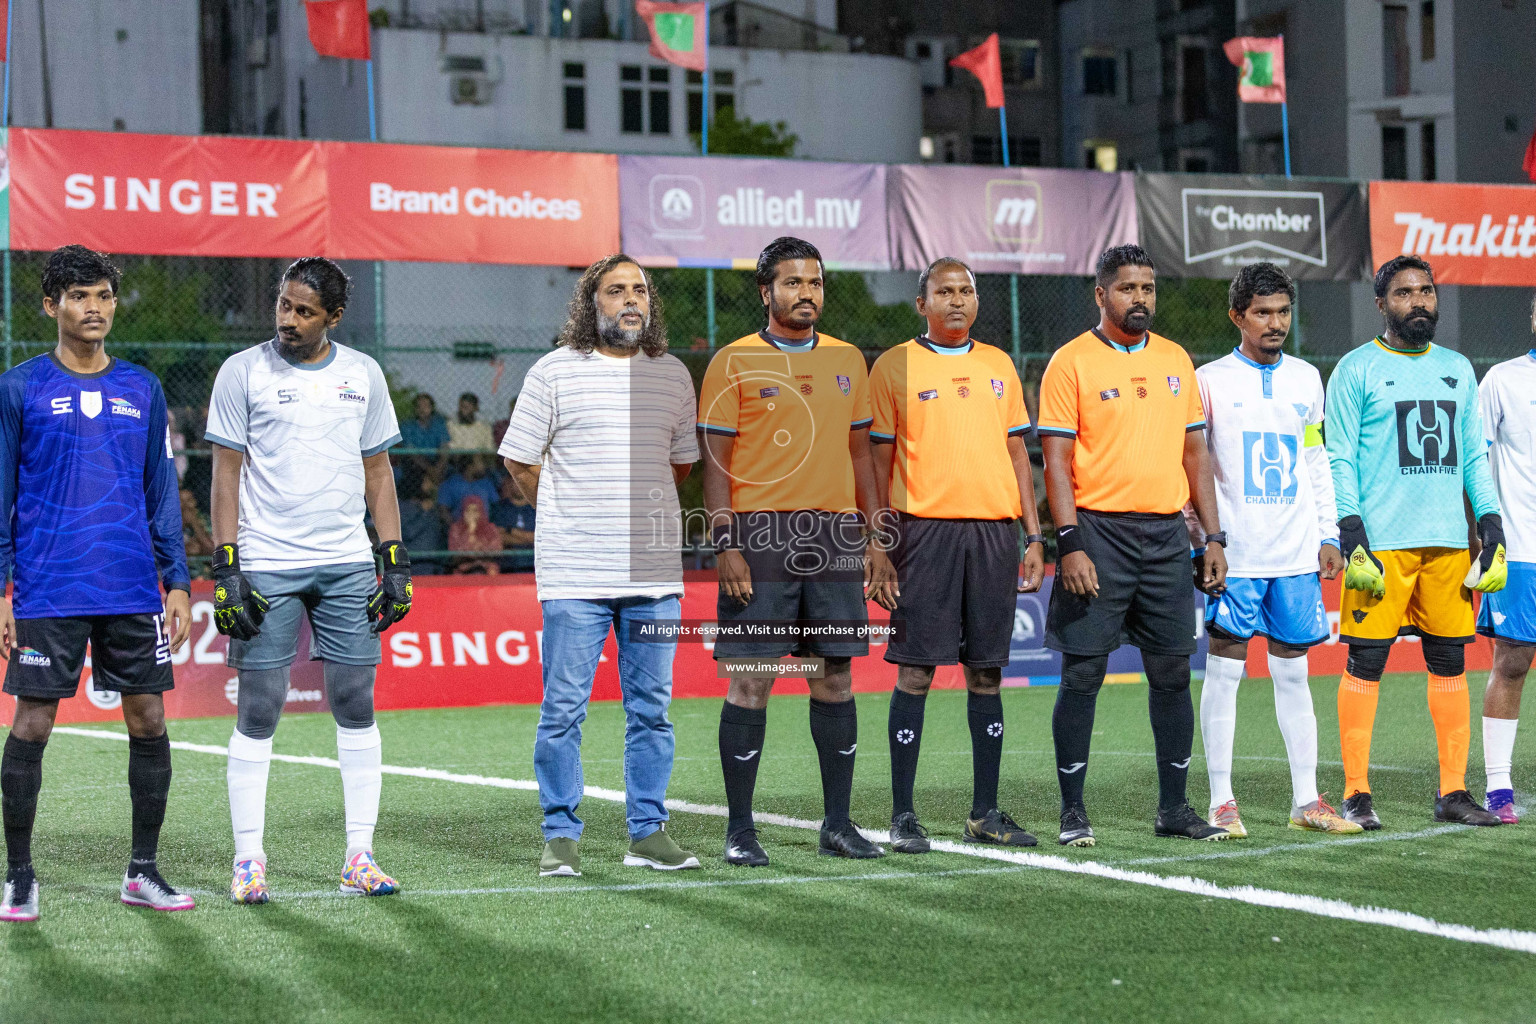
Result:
[[1233, 227], [1269, 468], [123, 407], [1426, 437], [349, 394], [1013, 210], [32, 656]]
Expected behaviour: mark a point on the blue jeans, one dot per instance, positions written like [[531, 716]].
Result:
[[574, 633]]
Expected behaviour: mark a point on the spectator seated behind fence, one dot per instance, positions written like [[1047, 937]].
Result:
[[471, 479], [474, 531], [428, 430], [423, 522], [499, 429], [467, 432], [194, 529], [513, 516]]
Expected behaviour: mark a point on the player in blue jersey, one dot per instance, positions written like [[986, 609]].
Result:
[[93, 529], [1405, 439]]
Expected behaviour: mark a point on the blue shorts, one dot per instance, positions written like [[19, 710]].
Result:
[[1510, 614], [1288, 610], [334, 597]]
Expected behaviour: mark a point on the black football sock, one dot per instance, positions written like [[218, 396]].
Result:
[[906, 734], [741, 751], [1072, 730], [1173, 724], [985, 712], [21, 776], [835, 731], [149, 783]]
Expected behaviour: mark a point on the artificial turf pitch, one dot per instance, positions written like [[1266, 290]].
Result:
[[477, 935]]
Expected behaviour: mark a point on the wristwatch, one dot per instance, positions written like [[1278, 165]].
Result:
[[1034, 538], [1219, 537]]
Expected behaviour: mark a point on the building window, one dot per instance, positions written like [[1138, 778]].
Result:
[[1194, 101], [1023, 150], [1427, 150], [631, 99], [1394, 49], [1394, 152], [1021, 61], [575, 97], [1101, 156], [1130, 78], [660, 100], [1427, 30], [722, 92], [1098, 73]]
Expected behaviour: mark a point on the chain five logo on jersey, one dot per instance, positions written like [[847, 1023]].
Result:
[[1269, 468], [1426, 437]]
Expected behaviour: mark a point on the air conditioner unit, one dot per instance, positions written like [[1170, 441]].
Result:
[[469, 90]]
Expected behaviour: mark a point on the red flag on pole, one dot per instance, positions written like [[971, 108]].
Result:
[[986, 63], [5, 18], [679, 32], [1262, 63], [338, 28]]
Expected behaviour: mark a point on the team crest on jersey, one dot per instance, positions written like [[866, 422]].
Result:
[[1173, 385], [90, 403], [123, 407], [1301, 409], [997, 388], [349, 394], [1450, 382], [844, 384]]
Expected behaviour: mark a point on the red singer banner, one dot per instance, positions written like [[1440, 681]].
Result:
[[166, 194], [216, 196], [1471, 234], [434, 203]]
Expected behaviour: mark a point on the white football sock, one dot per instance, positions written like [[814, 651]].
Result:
[[1499, 750], [1298, 725], [249, 761], [361, 753], [1218, 721]]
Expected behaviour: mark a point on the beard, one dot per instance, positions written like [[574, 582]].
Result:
[[295, 346], [1417, 328], [615, 335], [1136, 320], [786, 314]]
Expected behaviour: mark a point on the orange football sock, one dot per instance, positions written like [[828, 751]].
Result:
[[1451, 710], [1357, 716]]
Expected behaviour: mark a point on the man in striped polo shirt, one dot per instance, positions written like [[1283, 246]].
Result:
[[602, 435]]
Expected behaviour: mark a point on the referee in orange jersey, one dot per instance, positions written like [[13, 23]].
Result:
[[1123, 433], [950, 463]]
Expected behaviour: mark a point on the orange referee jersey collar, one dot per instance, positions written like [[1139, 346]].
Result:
[[1116, 345]]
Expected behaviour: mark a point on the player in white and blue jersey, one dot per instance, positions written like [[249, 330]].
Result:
[[1264, 418], [301, 429], [92, 530], [1508, 400]]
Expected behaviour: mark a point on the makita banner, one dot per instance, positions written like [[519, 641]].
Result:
[[721, 211], [167, 195], [1207, 225], [470, 641], [219, 196], [1471, 234], [1000, 220]]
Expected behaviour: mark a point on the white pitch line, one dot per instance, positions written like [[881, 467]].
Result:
[[1317, 906], [1316, 844]]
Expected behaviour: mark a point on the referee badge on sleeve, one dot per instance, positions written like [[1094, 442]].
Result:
[[1173, 385]]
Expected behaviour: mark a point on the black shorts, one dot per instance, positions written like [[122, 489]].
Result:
[[808, 568], [958, 578], [1146, 593], [129, 654]]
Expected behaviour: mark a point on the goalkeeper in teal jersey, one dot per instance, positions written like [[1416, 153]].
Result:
[[1405, 439]]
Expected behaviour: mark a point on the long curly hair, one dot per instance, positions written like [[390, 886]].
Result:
[[580, 330]]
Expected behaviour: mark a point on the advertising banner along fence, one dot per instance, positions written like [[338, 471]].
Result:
[[1472, 234], [721, 211], [1018, 221], [1207, 225], [217, 196], [470, 642]]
